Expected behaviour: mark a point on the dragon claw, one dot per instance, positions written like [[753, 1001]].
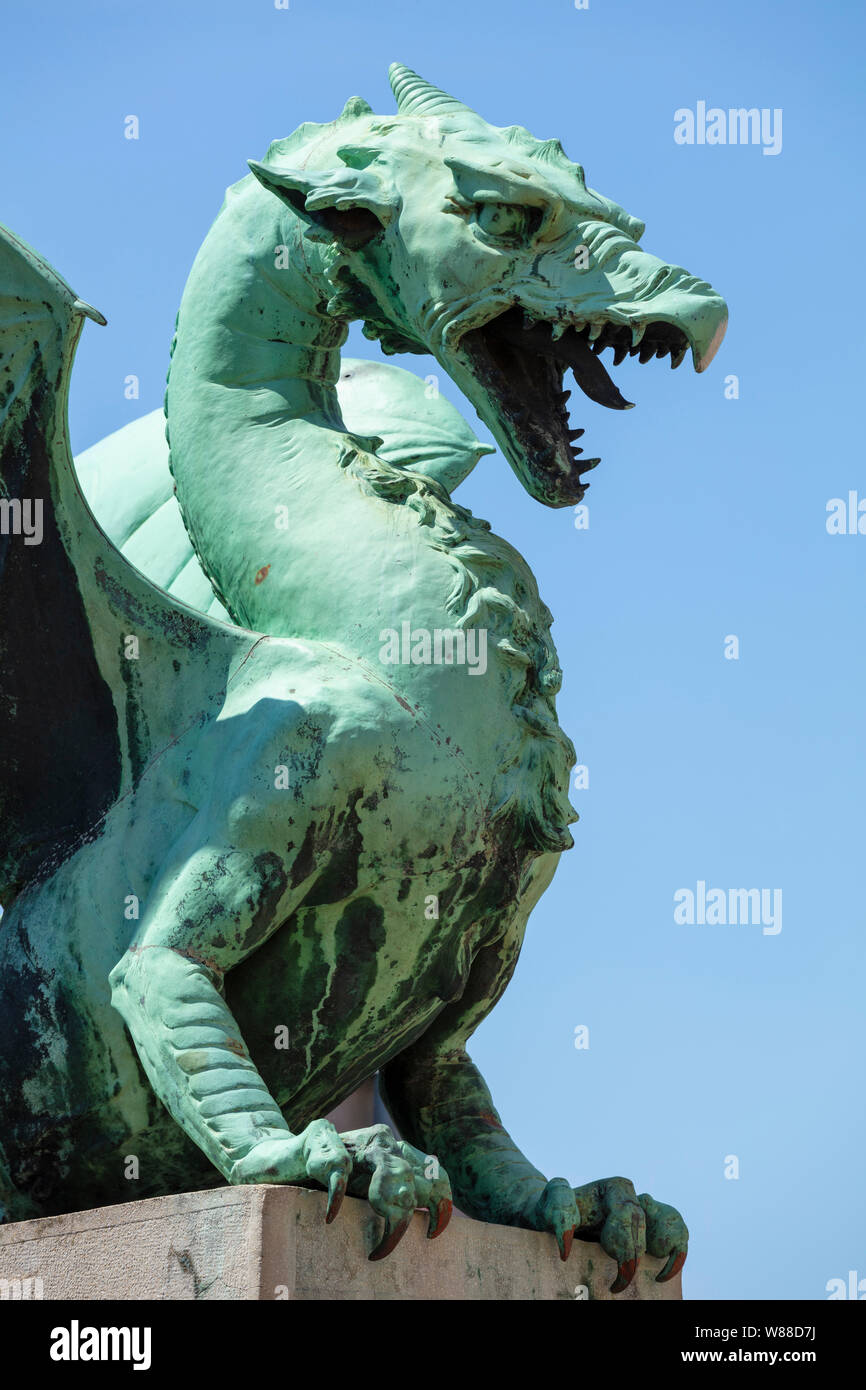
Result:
[[336, 1193], [397, 1180], [391, 1237], [675, 1262], [440, 1215], [667, 1236], [625, 1274], [557, 1212]]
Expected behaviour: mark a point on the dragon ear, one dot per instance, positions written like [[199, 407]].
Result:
[[352, 203]]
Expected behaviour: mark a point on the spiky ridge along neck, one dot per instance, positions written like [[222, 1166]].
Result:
[[494, 588]]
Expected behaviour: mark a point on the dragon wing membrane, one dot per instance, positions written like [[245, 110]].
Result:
[[99, 668]]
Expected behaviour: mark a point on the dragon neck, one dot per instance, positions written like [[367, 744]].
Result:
[[256, 303], [256, 438], [254, 423]]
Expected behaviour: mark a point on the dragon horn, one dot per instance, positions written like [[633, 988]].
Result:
[[415, 97]]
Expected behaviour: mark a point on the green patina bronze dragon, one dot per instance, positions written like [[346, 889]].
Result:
[[227, 818]]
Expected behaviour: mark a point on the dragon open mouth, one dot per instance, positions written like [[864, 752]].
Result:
[[520, 362]]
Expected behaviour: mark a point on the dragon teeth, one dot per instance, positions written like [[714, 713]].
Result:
[[619, 354], [677, 356], [576, 434], [647, 351], [596, 330], [637, 334], [558, 330]]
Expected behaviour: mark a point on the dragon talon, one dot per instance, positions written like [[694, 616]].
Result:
[[438, 1223], [625, 1274], [391, 1238], [675, 1262], [336, 1193]]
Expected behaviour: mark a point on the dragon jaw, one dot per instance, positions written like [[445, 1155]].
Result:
[[513, 368]]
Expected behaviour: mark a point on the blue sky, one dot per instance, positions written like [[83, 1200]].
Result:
[[707, 518]]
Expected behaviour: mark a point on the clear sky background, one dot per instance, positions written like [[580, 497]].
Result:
[[707, 518]]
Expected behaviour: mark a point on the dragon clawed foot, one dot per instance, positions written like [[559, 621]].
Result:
[[624, 1224], [395, 1178]]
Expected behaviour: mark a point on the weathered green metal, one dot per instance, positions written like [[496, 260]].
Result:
[[127, 480], [292, 852]]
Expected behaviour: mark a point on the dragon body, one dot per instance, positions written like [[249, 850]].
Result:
[[310, 822]]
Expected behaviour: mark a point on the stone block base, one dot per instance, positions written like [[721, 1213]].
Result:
[[271, 1242]]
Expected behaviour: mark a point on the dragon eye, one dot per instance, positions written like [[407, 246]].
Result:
[[502, 219]]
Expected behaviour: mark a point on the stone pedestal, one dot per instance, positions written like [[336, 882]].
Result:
[[271, 1242]]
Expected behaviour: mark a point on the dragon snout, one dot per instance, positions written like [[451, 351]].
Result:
[[674, 297], [665, 309]]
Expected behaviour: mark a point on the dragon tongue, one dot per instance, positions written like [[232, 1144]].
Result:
[[571, 348], [590, 375]]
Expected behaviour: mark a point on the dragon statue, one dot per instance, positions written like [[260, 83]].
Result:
[[250, 856]]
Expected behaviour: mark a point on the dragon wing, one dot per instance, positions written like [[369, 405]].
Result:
[[99, 669], [127, 481]]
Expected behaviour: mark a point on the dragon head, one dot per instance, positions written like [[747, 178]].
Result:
[[486, 248]]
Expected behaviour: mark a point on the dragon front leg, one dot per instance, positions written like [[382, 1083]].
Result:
[[170, 996], [168, 987], [219, 896]]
